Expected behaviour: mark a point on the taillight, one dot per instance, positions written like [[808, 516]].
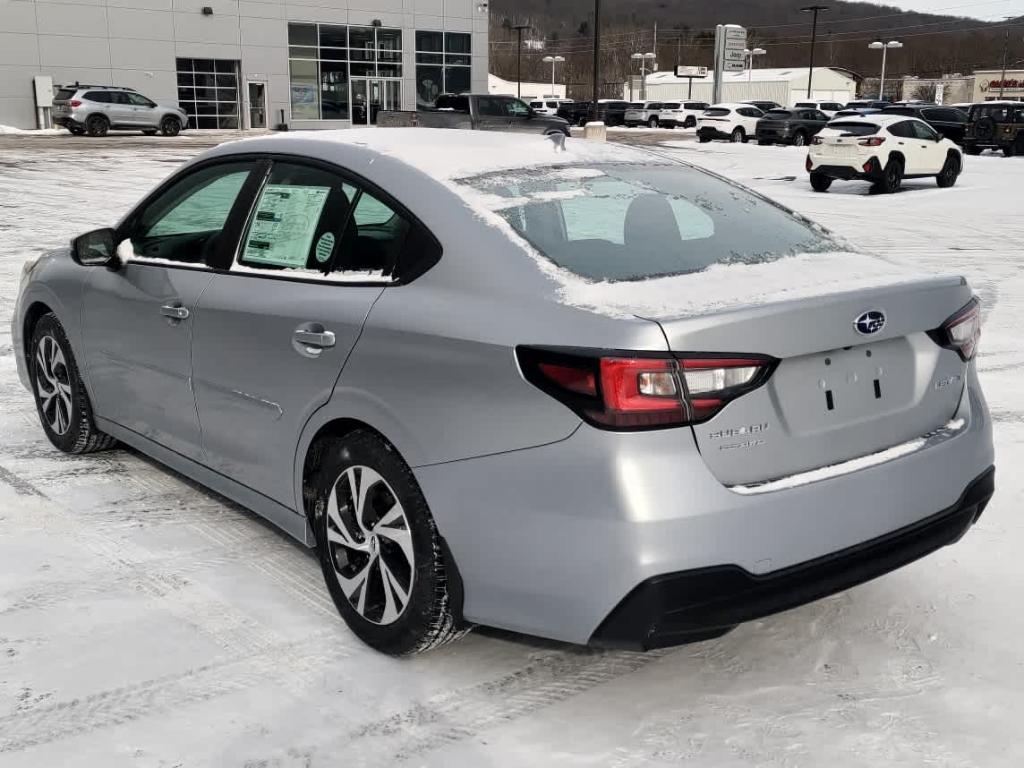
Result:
[[641, 390], [75, 103], [962, 331], [817, 140], [874, 141], [809, 165]]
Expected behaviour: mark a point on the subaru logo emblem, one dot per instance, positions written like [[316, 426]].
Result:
[[869, 322]]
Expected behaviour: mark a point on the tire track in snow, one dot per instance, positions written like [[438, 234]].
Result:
[[21, 486], [279, 664]]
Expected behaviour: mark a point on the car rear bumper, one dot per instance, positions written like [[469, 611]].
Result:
[[707, 131], [871, 170], [708, 602], [551, 540]]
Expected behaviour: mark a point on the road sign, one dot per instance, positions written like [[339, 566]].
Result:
[[687, 71], [734, 43]]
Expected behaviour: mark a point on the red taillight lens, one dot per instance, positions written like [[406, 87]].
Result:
[[962, 331], [809, 165], [75, 103], [874, 141], [633, 392]]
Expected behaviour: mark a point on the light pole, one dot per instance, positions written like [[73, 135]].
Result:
[[1006, 47], [750, 54], [597, 52], [552, 60], [884, 48], [815, 9], [519, 59], [643, 58]]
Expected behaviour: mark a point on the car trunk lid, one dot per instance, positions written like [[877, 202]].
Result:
[[836, 392]]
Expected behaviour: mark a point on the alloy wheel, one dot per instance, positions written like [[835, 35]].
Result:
[[53, 383], [369, 542]]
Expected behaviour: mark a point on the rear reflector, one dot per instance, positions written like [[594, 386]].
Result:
[[962, 331], [641, 390]]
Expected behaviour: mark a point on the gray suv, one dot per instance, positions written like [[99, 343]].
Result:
[[95, 109]]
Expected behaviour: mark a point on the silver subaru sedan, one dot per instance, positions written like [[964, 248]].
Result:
[[573, 390]]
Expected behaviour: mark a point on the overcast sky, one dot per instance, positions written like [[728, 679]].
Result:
[[990, 10]]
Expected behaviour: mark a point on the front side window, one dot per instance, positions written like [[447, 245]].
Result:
[[182, 224], [100, 97], [925, 131], [633, 222], [138, 101], [311, 223]]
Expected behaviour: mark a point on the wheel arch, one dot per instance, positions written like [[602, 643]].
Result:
[[33, 314]]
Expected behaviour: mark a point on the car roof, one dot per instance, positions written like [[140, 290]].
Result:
[[881, 119], [438, 152], [730, 104]]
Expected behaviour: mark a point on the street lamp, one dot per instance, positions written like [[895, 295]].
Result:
[[884, 48], [815, 9], [553, 60], [750, 54], [519, 59], [643, 58]]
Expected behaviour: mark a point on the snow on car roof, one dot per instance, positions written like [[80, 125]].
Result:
[[443, 154]]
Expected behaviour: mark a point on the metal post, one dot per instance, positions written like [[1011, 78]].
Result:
[[597, 51], [1006, 45], [552, 75], [643, 80], [519, 58], [815, 9]]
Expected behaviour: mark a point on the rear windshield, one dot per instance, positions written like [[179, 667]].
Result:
[[627, 221], [806, 105], [717, 111], [64, 94], [778, 113], [854, 128], [1001, 113], [636, 105]]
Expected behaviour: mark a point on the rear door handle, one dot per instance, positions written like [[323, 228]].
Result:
[[319, 340], [175, 312]]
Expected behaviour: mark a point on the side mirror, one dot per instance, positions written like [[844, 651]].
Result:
[[95, 249], [938, 137]]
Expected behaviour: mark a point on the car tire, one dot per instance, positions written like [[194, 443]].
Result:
[[820, 182], [892, 178], [170, 126], [652, 123], [950, 172], [62, 402], [393, 583], [799, 139], [738, 135], [690, 122], [97, 125]]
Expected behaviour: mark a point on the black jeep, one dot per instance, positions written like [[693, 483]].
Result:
[[995, 125]]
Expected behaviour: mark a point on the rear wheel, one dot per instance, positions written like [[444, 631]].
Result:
[[381, 554], [652, 123], [737, 135], [690, 122], [97, 125], [950, 171], [170, 126], [799, 139], [61, 400], [820, 182], [892, 178]]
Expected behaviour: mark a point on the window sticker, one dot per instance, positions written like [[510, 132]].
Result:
[[324, 247], [285, 223]]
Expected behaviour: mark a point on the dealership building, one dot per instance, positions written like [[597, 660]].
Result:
[[245, 63]]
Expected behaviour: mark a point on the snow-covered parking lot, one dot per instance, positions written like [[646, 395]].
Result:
[[146, 622]]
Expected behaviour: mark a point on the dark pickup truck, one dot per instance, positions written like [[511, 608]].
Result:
[[609, 112], [477, 112]]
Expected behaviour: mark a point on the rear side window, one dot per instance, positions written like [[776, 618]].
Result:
[[654, 105], [100, 97], [854, 128], [184, 222], [670, 105], [632, 222], [904, 130], [312, 223]]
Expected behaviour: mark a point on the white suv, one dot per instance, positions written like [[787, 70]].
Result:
[[828, 107], [643, 113], [735, 122], [548, 106], [883, 150], [680, 113]]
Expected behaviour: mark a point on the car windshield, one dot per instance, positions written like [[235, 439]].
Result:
[[999, 113], [624, 221], [854, 128], [670, 105]]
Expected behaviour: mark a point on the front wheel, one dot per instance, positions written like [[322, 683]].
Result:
[[652, 123], [950, 171], [381, 554], [737, 135], [820, 182], [97, 125], [170, 126], [61, 400]]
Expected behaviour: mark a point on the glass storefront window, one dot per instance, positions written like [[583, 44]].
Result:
[[333, 37], [208, 92], [302, 34], [430, 41], [442, 64], [429, 85], [304, 90], [334, 98]]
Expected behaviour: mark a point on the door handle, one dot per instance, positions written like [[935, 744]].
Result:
[[174, 312], [318, 340]]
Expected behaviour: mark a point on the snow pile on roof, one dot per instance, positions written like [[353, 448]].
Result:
[[780, 74]]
